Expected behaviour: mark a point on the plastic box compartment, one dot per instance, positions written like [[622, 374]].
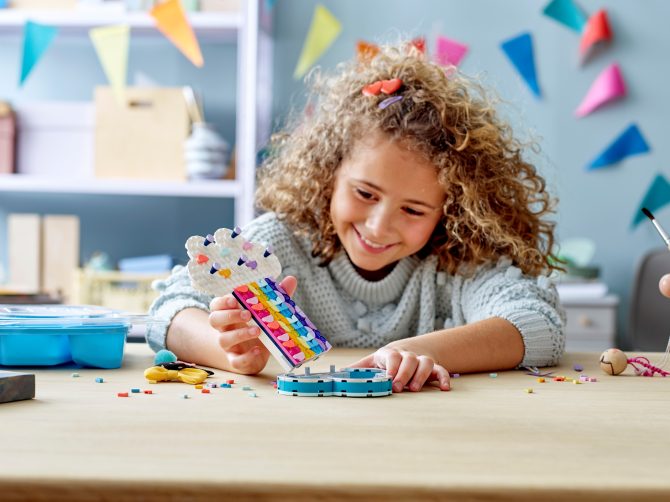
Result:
[[49, 335]]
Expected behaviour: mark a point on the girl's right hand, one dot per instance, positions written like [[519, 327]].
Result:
[[244, 351]]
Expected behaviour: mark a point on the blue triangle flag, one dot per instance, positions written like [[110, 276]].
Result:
[[566, 13], [519, 50], [630, 142], [657, 196], [36, 40]]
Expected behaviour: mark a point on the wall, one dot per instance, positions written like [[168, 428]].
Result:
[[599, 205]]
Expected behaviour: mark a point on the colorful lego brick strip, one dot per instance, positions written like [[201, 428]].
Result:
[[287, 332], [348, 382]]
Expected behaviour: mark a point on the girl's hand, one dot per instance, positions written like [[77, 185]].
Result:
[[664, 285], [244, 351], [406, 367]]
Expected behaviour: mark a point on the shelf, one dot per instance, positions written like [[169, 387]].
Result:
[[45, 184], [211, 25]]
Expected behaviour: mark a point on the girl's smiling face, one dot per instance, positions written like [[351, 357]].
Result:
[[386, 203]]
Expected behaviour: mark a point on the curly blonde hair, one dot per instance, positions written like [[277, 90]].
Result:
[[495, 200]]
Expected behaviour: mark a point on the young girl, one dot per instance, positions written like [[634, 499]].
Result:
[[405, 218]]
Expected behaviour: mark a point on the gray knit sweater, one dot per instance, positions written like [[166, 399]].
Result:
[[412, 300]]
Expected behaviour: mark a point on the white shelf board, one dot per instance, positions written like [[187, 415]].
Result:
[[46, 184], [206, 24]]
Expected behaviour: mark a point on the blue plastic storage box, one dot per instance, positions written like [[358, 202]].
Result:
[[48, 335]]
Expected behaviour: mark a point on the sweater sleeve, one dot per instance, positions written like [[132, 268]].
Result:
[[176, 292], [530, 303]]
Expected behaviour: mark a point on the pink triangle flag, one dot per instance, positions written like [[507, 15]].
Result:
[[449, 52], [608, 86]]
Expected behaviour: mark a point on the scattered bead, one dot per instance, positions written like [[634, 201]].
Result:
[[199, 386], [99, 380], [206, 391], [122, 394], [529, 390], [540, 380], [576, 382], [493, 375], [578, 367], [148, 391], [184, 396], [225, 386], [135, 391], [456, 375], [252, 394], [75, 375], [230, 381], [247, 387]]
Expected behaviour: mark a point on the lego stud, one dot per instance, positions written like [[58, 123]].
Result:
[[209, 239], [242, 260], [267, 252], [215, 268], [236, 231]]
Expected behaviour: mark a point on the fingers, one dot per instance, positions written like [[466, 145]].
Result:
[[290, 284], [227, 319], [223, 302], [441, 376], [407, 368], [664, 285], [249, 362], [232, 337]]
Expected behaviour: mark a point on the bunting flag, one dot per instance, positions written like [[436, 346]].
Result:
[[608, 86], [657, 196], [566, 13], [596, 34], [325, 28], [365, 51], [628, 143], [36, 40], [449, 52], [519, 50], [111, 45], [172, 22]]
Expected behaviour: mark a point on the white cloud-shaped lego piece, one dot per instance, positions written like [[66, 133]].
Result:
[[219, 266]]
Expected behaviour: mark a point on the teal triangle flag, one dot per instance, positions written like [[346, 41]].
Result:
[[657, 196], [566, 13], [630, 142], [519, 50], [36, 40]]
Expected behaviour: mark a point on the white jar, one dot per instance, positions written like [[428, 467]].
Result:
[[206, 153]]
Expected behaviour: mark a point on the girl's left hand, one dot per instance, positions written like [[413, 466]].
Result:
[[406, 367]]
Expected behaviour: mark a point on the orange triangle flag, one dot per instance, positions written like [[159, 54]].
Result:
[[172, 22], [366, 51], [596, 32]]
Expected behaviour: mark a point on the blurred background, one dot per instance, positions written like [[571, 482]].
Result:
[[94, 90]]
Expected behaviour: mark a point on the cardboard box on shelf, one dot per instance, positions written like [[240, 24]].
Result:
[[24, 236], [60, 254], [143, 137], [7, 138]]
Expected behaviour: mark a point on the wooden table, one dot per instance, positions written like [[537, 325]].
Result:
[[487, 439]]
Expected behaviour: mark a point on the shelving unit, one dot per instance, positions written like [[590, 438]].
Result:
[[249, 29]]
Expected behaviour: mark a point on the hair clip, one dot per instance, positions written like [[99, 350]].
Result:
[[383, 86]]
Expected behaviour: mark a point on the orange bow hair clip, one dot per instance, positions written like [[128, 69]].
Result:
[[384, 87]]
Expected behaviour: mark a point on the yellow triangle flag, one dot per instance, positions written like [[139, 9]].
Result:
[[172, 22], [111, 44], [322, 33]]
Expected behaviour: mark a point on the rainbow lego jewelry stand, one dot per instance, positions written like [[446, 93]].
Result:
[[348, 382], [226, 263]]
